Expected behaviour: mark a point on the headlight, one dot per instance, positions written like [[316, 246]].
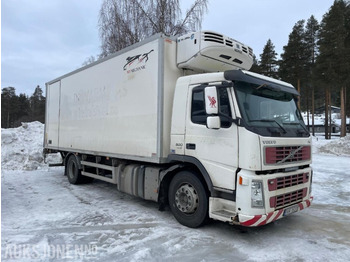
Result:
[[257, 194]]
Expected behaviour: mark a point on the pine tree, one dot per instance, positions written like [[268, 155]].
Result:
[[311, 38], [255, 67], [333, 62], [37, 105], [294, 56], [8, 105], [268, 60], [23, 110], [17, 109], [347, 45], [294, 61]]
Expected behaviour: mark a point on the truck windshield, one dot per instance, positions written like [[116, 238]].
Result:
[[269, 112]]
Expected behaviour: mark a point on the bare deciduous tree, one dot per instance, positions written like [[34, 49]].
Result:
[[125, 22], [89, 60]]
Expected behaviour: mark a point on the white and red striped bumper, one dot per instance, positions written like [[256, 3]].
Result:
[[260, 220]]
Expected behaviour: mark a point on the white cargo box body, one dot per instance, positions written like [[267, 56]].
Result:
[[118, 107]]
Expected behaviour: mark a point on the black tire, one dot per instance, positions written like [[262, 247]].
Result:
[[188, 199], [74, 173]]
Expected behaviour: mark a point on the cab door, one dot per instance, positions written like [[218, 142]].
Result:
[[216, 149]]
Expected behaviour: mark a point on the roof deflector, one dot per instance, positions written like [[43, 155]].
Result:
[[250, 77]]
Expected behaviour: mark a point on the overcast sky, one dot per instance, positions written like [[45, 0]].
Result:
[[42, 40]]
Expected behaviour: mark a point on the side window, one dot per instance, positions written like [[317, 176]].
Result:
[[198, 114]]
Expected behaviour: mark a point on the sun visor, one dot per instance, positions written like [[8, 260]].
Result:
[[250, 77]]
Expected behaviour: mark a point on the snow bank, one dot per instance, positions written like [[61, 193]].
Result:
[[337, 146], [22, 147]]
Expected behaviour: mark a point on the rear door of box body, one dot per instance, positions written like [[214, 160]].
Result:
[[52, 115]]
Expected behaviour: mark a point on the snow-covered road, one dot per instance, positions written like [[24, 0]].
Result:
[[44, 217]]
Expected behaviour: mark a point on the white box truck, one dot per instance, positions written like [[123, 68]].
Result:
[[181, 122]]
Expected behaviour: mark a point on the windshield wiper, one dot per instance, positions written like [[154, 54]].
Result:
[[270, 121], [299, 124]]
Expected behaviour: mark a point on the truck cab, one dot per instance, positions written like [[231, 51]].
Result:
[[247, 133]]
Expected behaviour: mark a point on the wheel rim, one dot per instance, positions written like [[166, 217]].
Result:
[[186, 199]]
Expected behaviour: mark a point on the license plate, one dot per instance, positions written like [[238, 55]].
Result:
[[290, 210]]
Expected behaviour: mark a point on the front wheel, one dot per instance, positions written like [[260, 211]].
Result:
[[188, 199], [74, 173]]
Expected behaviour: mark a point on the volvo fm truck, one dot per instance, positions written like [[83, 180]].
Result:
[[182, 122]]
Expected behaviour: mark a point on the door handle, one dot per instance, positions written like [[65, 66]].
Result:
[[190, 146]]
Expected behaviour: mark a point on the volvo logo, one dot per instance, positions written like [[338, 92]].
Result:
[[270, 142], [291, 154]]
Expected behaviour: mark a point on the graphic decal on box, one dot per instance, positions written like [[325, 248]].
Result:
[[136, 63]]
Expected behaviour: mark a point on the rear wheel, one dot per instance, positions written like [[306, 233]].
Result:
[[74, 173], [188, 199]]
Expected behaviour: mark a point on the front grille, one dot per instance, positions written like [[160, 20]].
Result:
[[287, 181], [284, 200], [287, 154]]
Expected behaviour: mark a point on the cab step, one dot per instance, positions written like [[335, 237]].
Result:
[[222, 210], [225, 214]]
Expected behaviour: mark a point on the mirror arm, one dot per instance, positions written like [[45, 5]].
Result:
[[238, 121]]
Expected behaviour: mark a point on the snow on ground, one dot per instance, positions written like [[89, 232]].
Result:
[[46, 218]]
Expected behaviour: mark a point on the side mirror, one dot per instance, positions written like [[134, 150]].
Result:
[[211, 100], [213, 122]]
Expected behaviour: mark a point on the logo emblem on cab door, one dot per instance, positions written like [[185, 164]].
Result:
[[212, 101]]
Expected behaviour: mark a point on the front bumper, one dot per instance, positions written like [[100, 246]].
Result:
[[260, 220]]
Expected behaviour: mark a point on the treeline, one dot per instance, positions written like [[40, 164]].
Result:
[[316, 60], [21, 108]]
